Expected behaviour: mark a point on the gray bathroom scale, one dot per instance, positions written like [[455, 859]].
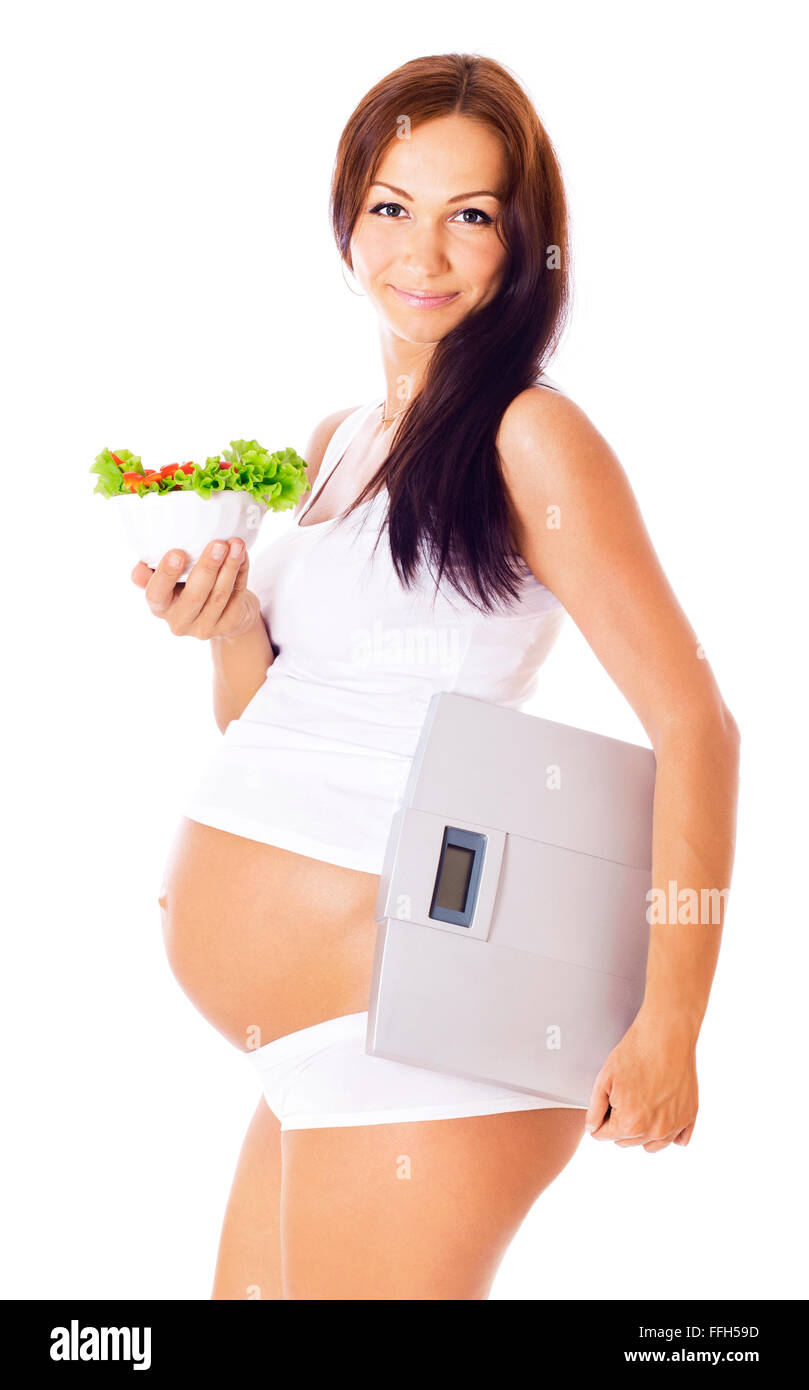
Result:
[[512, 932]]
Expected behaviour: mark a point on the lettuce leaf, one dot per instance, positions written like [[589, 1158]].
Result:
[[110, 476], [278, 480]]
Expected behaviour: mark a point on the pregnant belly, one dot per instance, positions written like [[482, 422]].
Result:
[[264, 941]]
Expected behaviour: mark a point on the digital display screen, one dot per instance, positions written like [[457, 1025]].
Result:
[[455, 874]]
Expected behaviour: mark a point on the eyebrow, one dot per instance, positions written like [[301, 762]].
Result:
[[459, 198]]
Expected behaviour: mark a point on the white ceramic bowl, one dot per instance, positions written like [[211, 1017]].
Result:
[[185, 521]]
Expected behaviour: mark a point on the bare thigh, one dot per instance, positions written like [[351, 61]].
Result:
[[419, 1210], [249, 1261]]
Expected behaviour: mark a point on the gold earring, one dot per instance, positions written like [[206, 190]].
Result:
[[358, 293]]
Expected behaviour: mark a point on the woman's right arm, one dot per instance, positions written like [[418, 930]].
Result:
[[240, 666], [215, 604]]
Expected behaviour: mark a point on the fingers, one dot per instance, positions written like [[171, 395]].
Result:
[[141, 574], [618, 1131], [160, 589], [242, 573], [598, 1109], [241, 609], [631, 1134], [652, 1143], [231, 579], [195, 607], [201, 582]]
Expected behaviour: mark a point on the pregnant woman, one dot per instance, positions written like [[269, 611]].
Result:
[[452, 523]]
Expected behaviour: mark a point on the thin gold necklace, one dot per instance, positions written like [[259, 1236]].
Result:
[[388, 419]]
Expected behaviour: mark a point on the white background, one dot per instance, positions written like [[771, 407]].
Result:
[[169, 282]]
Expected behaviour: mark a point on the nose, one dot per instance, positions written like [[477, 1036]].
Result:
[[425, 254]]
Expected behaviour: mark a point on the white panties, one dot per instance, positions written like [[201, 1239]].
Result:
[[322, 1076]]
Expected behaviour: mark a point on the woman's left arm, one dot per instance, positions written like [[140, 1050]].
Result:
[[578, 526]]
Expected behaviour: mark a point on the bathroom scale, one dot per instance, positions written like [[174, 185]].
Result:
[[512, 931]]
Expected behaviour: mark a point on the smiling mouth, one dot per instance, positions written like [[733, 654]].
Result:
[[424, 299]]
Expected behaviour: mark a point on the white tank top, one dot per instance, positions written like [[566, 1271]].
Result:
[[319, 758]]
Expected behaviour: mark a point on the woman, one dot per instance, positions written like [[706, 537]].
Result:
[[504, 508]]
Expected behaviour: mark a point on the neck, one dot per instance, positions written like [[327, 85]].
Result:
[[404, 365]]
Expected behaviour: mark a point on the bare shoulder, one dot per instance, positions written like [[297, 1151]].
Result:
[[547, 442], [579, 528], [320, 439]]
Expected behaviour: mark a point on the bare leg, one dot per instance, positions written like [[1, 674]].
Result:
[[249, 1261], [419, 1210]]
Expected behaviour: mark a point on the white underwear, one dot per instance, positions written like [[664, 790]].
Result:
[[321, 1076]]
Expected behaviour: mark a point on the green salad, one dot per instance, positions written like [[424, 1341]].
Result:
[[278, 480]]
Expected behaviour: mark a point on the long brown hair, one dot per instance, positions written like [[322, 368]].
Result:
[[447, 499]]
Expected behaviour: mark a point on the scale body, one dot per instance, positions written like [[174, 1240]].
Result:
[[512, 931]]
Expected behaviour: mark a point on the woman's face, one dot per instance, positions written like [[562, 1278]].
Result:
[[424, 246]]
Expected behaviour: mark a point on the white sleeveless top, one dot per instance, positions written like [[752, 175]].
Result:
[[319, 759]]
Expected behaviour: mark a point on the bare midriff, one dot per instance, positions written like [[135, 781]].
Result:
[[264, 941]]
